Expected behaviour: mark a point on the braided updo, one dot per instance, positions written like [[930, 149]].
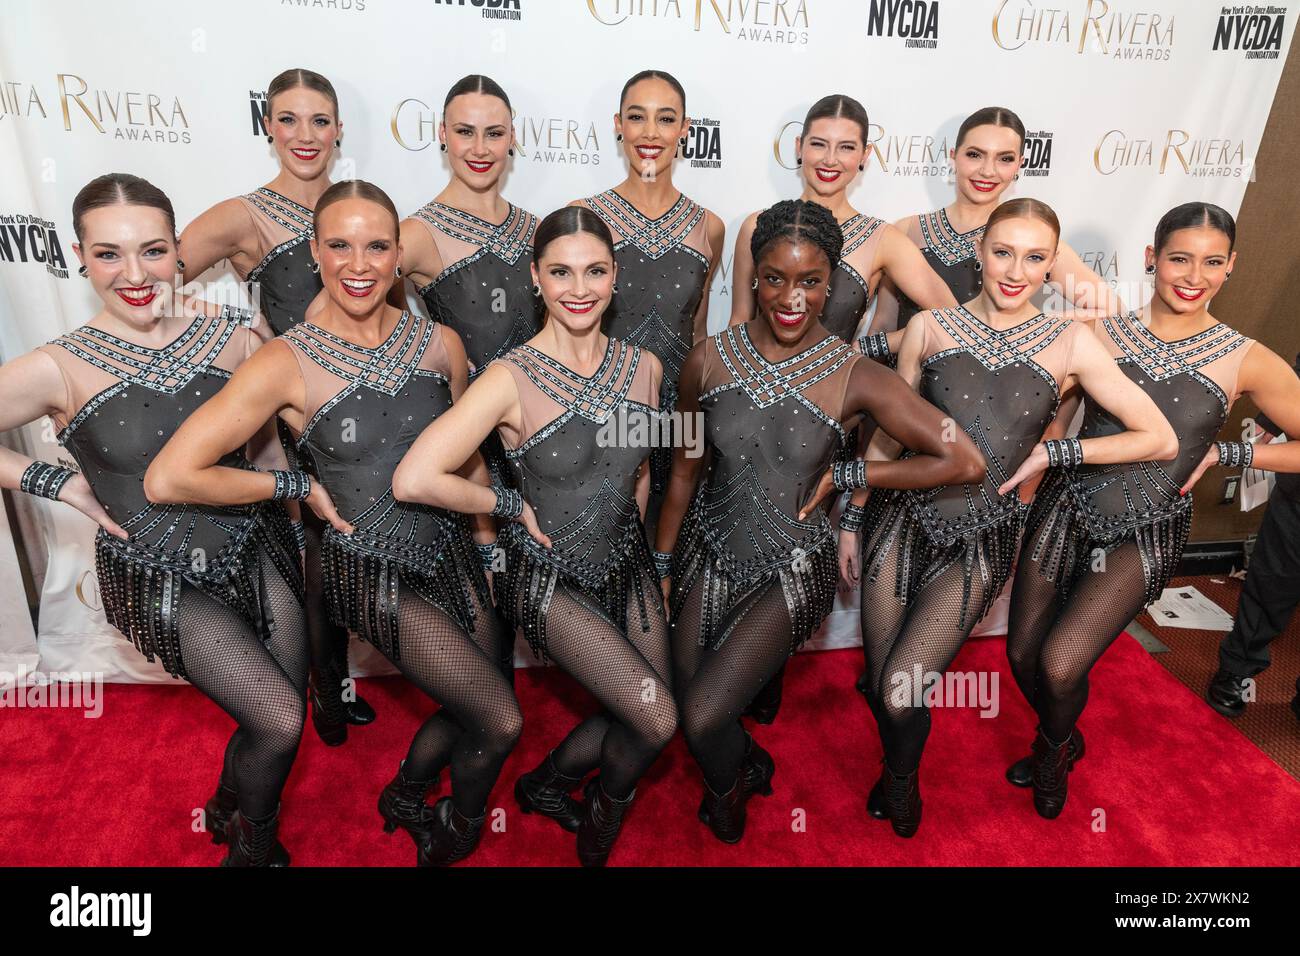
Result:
[[799, 221]]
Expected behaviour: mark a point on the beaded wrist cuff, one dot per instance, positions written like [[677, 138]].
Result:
[[510, 503], [851, 518], [291, 485], [1064, 452], [1235, 454], [875, 346], [663, 563], [849, 475], [486, 554], [44, 480]]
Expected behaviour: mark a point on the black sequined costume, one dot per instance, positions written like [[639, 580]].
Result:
[[285, 280], [1102, 541], [663, 265], [407, 579], [751, 581], [849, 293], [951, 254], [934, 560]]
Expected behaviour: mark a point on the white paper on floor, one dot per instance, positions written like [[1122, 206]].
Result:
[[1189, 608]]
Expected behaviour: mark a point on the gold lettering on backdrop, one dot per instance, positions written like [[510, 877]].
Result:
[[420, 125], [64, 96], [1088, 18], [1176, 147]]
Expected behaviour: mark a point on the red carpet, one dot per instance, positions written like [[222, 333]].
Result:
[[1175, 782]]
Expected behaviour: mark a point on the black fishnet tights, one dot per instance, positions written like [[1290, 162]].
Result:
[[715, 686], [1052, 645], [897, 639], [626, 673], [479, 721], [263, 687]]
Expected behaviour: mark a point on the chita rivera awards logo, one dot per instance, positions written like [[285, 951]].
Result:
[[488, 9], [915, 22], [1038, 153], [1113, 29], [134, 116], [777, 22], [538, 139], [703, 143], [1171, 151], [1254, 30], [20, 100], [344, 6], [26, 238]]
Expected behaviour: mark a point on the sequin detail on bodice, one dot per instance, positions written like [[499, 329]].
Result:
[[850, 292], [992, 387], [952, 255], [660, 281], [284, 277], [486, 296]]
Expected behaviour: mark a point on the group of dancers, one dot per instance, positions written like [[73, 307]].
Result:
[[268, 480]]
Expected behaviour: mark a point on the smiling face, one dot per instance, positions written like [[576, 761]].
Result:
[[357, 248], [576, 274], [1191, 268], [792, 278], [831, 149], [651, 120], [477, 130], [986, 163], [130, 255], [303, 128], [1015, 255]]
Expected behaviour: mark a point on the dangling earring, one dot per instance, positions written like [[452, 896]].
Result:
[[978, 266], [180, 265], [510, 151], [398, 273], [861, 166], [1227, 276], [754, 284], [338, 144], [83, 272], [315, 266], [1151, 270], [1047, 277], [618, 137], [798, 160], [537, 290], [615, 288], [443, 147], [1017, 176], [270, 138]]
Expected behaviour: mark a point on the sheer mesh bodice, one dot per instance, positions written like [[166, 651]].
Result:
[[951, 254], [576, 464], [484, 290], [130, 400], [364, 409], [284, 276], [850, 289], [773, 429]]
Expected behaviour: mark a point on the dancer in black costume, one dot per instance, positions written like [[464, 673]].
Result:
[[355, 387], [214, 594], [264, 236], [667, 245], [579, 579], [932, 562], [1102, 541], [753, 566]]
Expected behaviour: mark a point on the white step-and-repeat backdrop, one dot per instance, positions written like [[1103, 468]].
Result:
[[1132, 106]]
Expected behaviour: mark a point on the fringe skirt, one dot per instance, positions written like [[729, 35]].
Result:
[[1063, 533], [365, 574], [807, 575], [526, 587], [986, 554], [142, 588]]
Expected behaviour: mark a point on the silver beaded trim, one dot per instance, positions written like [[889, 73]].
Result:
[[44, 480], [852, 517], [1235, 454], [295, 485], [510, 503], [849, 475], [1064, 452]]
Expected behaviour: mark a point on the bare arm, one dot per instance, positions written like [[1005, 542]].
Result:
[[1091, 295], [687, 461], [717, 233], [223, 232], [907, 269], [742, 274]]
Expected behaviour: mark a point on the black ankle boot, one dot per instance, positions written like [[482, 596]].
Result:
[[218, 810], [357, 712], [1226, 694], [253, 842], [1020, 773], [600, 824], [1051, 773], [863, 686], [757, 769], [724, 814], [902, 800], [547, 791], [765, 706], [401, 804], [327, 713], [453, 836]]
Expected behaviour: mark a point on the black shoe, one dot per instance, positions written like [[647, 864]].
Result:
[[1225, 694], [453, 836], [253, 842], [402, 804], [1050, 767], [863, 686], [327, 713], [600, 824], [548, 792], [765, 706], [757, 769], [1020, 773], [357, 712], [724, 814], [218, 810], [902, 800], [876, 800]]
